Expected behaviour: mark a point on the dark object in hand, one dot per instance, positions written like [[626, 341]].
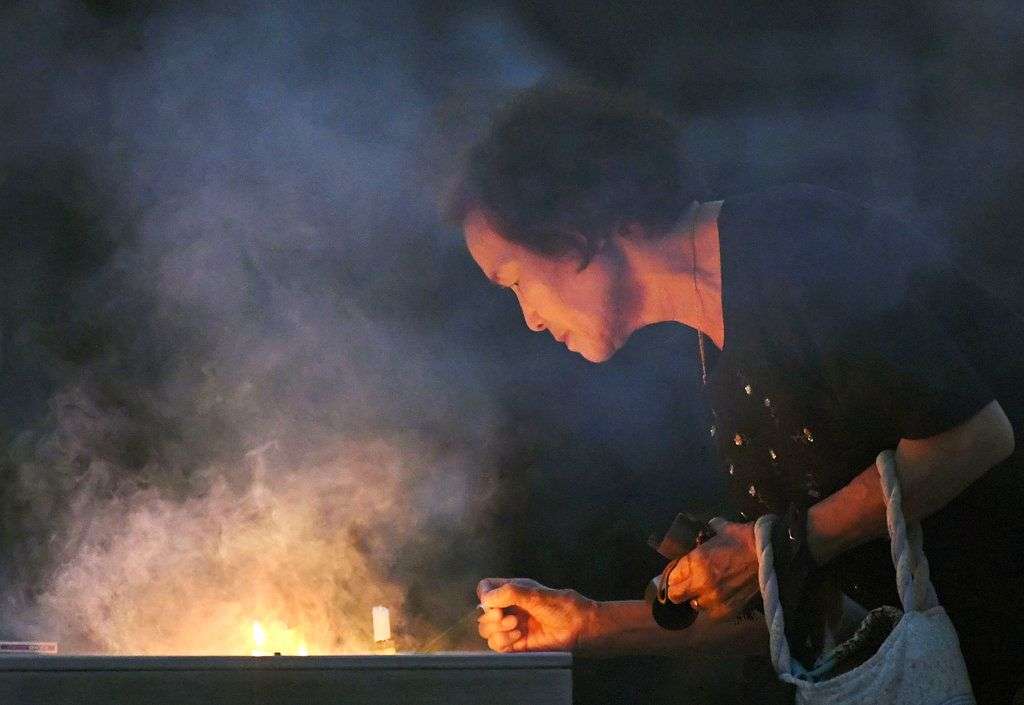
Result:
[[686, 533]]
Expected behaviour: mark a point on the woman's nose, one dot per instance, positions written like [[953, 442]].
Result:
[[533, 321]]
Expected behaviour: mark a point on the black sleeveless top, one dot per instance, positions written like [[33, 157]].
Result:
[[843, 334]]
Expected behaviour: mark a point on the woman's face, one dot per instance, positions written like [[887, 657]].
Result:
[[589, 310]]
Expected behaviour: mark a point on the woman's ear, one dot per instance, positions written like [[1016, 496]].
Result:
[[585, 249]]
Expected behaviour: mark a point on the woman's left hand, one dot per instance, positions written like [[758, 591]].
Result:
[[718, 577]]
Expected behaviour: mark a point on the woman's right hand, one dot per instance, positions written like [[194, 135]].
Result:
[[523, 615]]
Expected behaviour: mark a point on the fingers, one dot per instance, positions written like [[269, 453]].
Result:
[[679, 580], [511, 606], [488, 584], [700, 572], [501, 631], [717, 577], [506, 594], [494, 621], [507, 641], [688, 582]]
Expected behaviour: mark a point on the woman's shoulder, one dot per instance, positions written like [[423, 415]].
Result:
[[792, 191], [816, 257], [814, 233], [792, 205], [784, 234]]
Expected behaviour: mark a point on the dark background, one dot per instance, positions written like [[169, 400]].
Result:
[[115, 113]]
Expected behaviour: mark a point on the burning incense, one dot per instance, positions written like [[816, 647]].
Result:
[[429, 646]]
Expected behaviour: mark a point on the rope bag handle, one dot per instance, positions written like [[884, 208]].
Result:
[[906, 546]]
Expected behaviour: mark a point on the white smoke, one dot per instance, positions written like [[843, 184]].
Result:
[[275, 426]]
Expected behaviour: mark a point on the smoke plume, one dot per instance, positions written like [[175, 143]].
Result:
[[238, 397]]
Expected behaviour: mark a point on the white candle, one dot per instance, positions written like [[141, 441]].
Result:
[[381, 623]]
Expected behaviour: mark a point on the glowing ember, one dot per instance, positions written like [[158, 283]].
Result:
[[277, 638]]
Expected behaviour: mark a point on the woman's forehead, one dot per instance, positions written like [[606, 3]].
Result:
[[488, 248]]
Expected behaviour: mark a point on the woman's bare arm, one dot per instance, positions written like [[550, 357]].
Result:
[[627, 628], [932, 472], [523, 615]]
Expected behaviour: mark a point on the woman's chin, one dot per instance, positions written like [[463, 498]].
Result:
[[596, 354]]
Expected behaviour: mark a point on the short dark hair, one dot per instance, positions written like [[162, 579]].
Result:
[[564, 167]]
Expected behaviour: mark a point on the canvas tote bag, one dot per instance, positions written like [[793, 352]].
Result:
[[919, 663]]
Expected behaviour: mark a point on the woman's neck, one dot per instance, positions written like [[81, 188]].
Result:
[[679, 275]]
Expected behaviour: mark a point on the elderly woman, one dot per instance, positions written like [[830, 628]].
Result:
[[826, 333]]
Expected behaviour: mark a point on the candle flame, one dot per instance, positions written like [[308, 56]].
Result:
[[274, 637], [259, 638]]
